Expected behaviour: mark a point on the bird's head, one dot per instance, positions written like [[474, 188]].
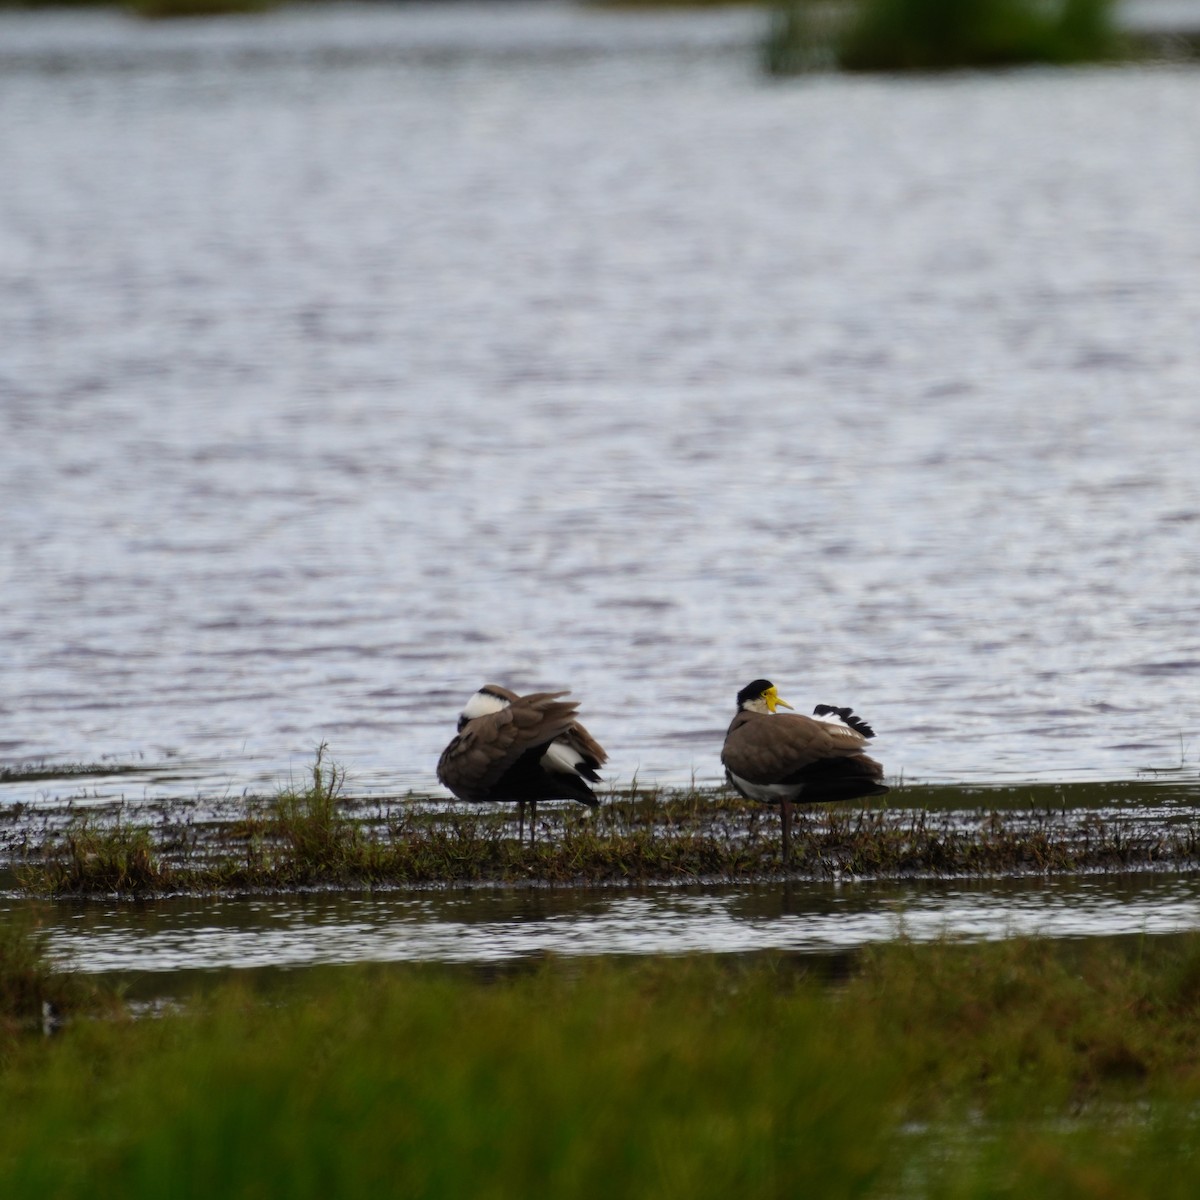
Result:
[[489, 699], [760, 696]]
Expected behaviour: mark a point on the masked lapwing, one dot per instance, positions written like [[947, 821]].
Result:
[[522, 748], [788, 758]]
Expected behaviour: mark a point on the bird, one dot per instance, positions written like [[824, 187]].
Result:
[[522, 748], [788, 758]]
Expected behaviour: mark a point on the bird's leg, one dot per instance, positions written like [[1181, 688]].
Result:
[[533, 822], [786, 813], [520, 822]]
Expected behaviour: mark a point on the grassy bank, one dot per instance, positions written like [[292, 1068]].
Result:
[[314, 835], [1024, 1068], [940, 35]]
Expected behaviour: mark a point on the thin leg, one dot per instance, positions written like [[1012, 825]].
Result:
[[533, 822], [520, 822], [786, 813]]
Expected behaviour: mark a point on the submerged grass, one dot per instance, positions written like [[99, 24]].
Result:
[[1024, 1068], [32, 772], [313, 835], [155, 9]]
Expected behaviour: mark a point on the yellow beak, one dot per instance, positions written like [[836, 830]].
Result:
[[773, 699]]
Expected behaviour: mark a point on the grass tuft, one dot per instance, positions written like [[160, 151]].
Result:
[[316, 840], [91, 859]]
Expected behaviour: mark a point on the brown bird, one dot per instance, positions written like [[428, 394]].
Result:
[[522, 748], [787, 758]]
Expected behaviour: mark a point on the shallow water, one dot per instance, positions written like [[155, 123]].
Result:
[[504, 926], [351, 358]]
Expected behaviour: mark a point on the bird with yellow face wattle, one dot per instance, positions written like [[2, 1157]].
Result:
[[788, 758]]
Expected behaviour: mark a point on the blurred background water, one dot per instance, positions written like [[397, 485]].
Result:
[[350, 358]]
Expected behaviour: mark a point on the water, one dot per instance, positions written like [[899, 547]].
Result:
[[486, 926], [350, 358]]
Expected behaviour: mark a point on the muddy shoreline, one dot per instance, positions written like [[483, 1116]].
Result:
[[326, 837]]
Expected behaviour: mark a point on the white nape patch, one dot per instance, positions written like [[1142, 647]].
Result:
[[560, 757], [483, 704], [771, 793]]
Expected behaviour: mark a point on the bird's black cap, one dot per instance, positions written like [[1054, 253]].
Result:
[[752, 691]]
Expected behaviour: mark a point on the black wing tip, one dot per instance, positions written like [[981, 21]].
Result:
[[848, 715], [573, 787]]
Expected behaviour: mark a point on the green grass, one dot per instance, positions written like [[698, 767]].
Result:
[[29, 983], [92, 859], [1023, 1068], [938, 35]]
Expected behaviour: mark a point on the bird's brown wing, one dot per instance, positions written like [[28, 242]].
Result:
[[476, 759], [581, 741], [762, 748]]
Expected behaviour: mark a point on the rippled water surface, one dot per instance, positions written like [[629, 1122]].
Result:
[[351, 358], [503, 926]]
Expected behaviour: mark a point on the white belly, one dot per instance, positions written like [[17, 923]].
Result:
[[769, 793]]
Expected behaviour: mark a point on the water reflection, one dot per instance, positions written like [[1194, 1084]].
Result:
[[484, 926]]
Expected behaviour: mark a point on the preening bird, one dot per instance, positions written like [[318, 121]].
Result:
[[522, 748], [788, 758]]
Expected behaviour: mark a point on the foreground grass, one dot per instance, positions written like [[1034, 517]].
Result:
[[1024, 1068], [312, 835]]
